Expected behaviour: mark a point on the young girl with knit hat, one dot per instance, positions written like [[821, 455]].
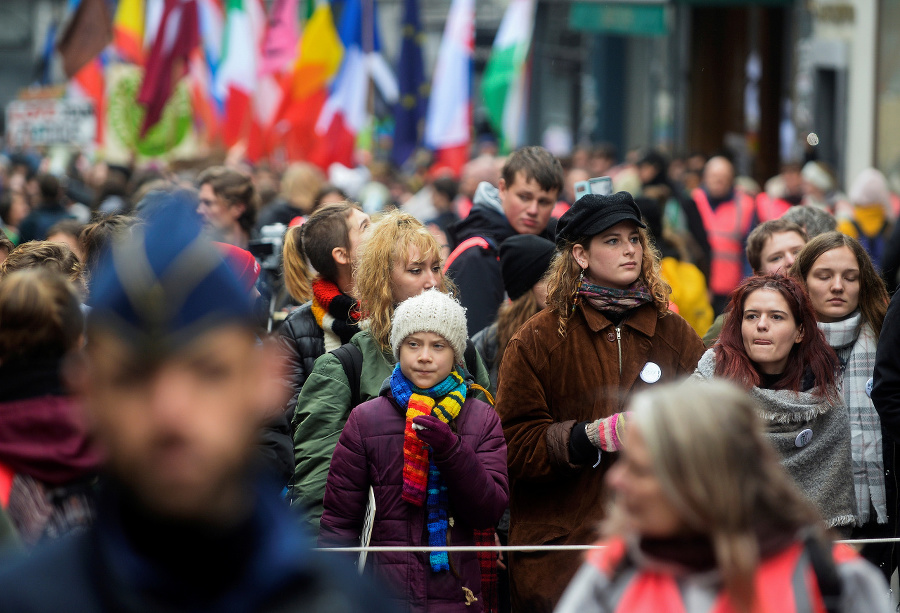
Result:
[[435, 458]]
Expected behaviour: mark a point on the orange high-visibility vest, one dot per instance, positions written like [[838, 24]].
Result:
[[768, 208], [784, 583], [726, 228]]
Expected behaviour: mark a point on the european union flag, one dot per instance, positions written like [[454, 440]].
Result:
[[409, 112]]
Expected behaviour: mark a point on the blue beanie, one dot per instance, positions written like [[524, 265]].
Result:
[[164, 283]]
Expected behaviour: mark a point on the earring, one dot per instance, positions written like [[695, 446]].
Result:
[[577, 289]]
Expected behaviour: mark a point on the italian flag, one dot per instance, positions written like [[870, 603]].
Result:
[[236, 77], [504, 86]]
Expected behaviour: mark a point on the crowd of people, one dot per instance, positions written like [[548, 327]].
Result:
[[218, 367]]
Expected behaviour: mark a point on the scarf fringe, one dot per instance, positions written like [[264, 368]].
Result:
[[786, 418]]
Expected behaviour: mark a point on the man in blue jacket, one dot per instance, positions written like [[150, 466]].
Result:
[[176, 387]]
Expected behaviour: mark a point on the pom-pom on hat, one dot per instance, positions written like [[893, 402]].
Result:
[[430, 311], [592, 214], [164, 284], [524, 258]]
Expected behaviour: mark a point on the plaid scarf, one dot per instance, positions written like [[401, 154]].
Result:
[[335, 312], [615, 300], [855, 345]]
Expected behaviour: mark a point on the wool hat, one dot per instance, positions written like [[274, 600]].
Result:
[[242, 263], [870, 187], [818, 176], [524, 258], [592, 214], [430, 311], [165, 284]]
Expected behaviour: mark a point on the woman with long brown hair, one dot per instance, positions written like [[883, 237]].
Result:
[[850, 301], [565, 378]]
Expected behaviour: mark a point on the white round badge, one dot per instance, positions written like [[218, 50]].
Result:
[[804, 438], [869, 385], [651, 373]]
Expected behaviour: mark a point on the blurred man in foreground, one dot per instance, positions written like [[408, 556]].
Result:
[[175, 386]]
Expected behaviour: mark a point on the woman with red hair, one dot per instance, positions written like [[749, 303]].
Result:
[[775, 350]]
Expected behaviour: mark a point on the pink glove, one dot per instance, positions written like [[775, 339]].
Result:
[[606, 433], [432, 431]]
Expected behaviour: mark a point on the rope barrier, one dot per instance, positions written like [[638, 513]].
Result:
[[529, 548]]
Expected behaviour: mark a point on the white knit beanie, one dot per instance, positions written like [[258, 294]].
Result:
[[430, 311]]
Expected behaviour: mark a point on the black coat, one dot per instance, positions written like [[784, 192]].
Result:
[[302, 341], [270, 569]]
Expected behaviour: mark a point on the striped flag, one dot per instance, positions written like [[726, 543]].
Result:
[[448, 123], [505, 83]]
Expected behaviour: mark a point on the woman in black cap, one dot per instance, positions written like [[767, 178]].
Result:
[[524, 260], [566, 376]]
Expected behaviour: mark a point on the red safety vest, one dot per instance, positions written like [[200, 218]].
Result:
[[768, 208], [784, 583], [726, 228]]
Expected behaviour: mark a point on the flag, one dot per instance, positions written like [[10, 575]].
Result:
[[128, 30], [448, 122], [44, 68], [504, 85], [90, 83], [88, 31], [282, 36], [279, 52], [178, 35], [236, 77], [344, 112], [306, 86], [409, 112]]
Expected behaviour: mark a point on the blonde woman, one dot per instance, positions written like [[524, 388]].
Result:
[[706, 519], [565, 378], [399, 259]]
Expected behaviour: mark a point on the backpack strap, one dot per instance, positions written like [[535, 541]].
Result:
[[351, 358], [824, 568], [475, 241]]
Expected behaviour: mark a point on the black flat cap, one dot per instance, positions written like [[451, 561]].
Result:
[[592, 214]]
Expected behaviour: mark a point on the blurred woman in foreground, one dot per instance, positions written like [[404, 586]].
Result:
[[705, 516]]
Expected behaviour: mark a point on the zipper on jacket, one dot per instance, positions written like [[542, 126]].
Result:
[[619, 344]]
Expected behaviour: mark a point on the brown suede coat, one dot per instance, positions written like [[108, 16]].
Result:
[[547, 384]]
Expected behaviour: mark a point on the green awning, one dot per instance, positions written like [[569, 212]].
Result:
[[620, 18]]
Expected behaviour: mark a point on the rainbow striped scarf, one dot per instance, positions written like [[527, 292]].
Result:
[[422, 481]]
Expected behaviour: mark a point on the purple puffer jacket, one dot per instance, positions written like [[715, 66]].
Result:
[[370, 453]]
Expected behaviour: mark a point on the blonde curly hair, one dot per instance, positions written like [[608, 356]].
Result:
[[564, 273], [388, 242]]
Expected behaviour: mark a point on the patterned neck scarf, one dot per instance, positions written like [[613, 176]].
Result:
[[856, 344], [335, 312], [422, 481], [614, 300]]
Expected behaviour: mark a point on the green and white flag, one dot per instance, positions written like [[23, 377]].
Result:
[[505, 81]]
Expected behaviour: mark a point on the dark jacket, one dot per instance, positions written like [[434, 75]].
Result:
[[269, 568], [476, 271], [370, 453], [302, 341], [486, 343], [548, 385], [35, 226], [279, 211]]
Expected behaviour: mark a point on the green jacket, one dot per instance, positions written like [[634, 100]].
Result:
[[322, 410]]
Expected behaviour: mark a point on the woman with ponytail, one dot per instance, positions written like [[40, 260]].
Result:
[[329, 317], [47, 461]]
